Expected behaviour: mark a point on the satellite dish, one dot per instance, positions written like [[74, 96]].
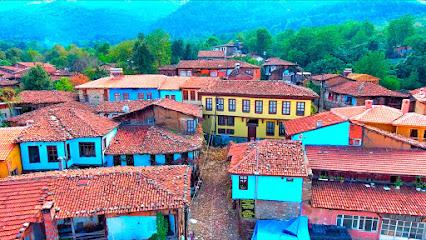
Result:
[[125, 109]]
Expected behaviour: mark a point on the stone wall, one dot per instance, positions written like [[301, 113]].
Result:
[[277, 210]]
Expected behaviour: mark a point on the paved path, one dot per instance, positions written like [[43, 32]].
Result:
[[212, 206]]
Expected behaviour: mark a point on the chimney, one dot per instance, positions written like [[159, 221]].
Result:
[[347, 71], [116, 72], [50, 227], [319, 123], [405, 106], [368, 104]]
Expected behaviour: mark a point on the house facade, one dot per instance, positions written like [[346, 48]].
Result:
[[278, 69], [10, 157], [244, 110], [98, 203], [30, 100]]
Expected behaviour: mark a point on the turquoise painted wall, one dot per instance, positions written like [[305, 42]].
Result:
[[75, 151], [177, 93], [269, 188], [337, 134], [133, 93], [44, 164], [145, 159]]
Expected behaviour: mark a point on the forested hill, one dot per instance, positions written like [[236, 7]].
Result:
[[52, 21]]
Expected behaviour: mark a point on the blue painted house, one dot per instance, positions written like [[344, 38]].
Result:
[[64, 135], [119, 87], [325, 128], [268, 177]]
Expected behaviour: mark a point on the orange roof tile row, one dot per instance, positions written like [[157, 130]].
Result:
[[257, 88], [278, 62], [367, 160], [358, 197], [365, 89], [152, 140], [211, 54], [308, 123], [419, 94], [89, 192], [411, 119], [45, 97], [213, 64], [324, 77], [268, 157], [362, 77], [8, 136]]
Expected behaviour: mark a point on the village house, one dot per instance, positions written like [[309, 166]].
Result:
[[224, 69], [211, 55], [17, 71], [29, 100], [98, 203], [269, 179], [247, 110], [230, 49], [408, 124], [6, 83], [62, 136], [376, 193], [10, 156], [278, 69], [419, 95], [191, 87]]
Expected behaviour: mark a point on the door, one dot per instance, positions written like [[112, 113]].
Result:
[[251, 136]]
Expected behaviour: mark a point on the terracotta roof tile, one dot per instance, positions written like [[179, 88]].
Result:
[[336, 195], [152, 140], [45, 97], [324, 77], [274, 158], [364, 89], [8, 136], [362, 77], [375, 114], [82, 193], [367, 160], [419, 94], [411, 119], [278, 62], [168, 67], [257, 88], [185, 108], [308, 123], [8, 83], [211, 54], [213, 64], [173, 83], [198, 82], [126, 81]]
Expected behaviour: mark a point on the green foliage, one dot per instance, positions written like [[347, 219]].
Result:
[[142, 58], [399, 30], [329, 64], [178, 51], [64, 84], [36, 79], [391, 82], [162, 227], [373, 63], [263, 42], [95, 73], [159, 45]]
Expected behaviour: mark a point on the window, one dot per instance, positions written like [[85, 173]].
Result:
[[87, 149], [116, 97], [300, 108], [243, 183], [192, 95], [258, 106], [185, 94], [140, 96], [190, 126], [286, 107], [230, 121], [173, 97], [366, 224], [33, 154], [116, 160], [198, 97], [281, 129], [270, 128], [221, 131], [125, 96], [230, 131], [52, 154], [414, 133], [149, 96], [219, 104], [209, 104], [406, 229], [272, 107], [246, 105], [129, 160], [221, 120], [167, 96], [232, 105]]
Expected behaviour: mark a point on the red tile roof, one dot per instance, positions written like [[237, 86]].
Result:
[[126, 81], [419, 94], [324, 77], [213, 64], [8, 136], [198, 82], [278, 62], [308, 123], [367, 160], [45, 97], [268, 157], [117, 107], [152, 140], [211, 54], [8, 83], [411, 119], [62, 122], [168, 67], [46, 66], [358, 197], [362, 77], [89, 192], [365, 89], [257, 88], [375, 114]]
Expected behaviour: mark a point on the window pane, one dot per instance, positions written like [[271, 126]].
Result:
[[33, 154]]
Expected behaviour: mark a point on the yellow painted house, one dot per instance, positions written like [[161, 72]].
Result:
[[241, 110], [10, 154]]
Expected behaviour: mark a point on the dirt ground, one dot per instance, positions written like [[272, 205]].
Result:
[[211, 214]]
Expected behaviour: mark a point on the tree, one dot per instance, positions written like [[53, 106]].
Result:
[[391, 82], [162, 227], [189, 52], [329, 64], [398, 30], [263, 41], [177, 51], [8, 95], [211, 41], [79, 79], [373, 63], [95, 73], [64, 84], [37, 79], [143, 60], [159, 45]]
